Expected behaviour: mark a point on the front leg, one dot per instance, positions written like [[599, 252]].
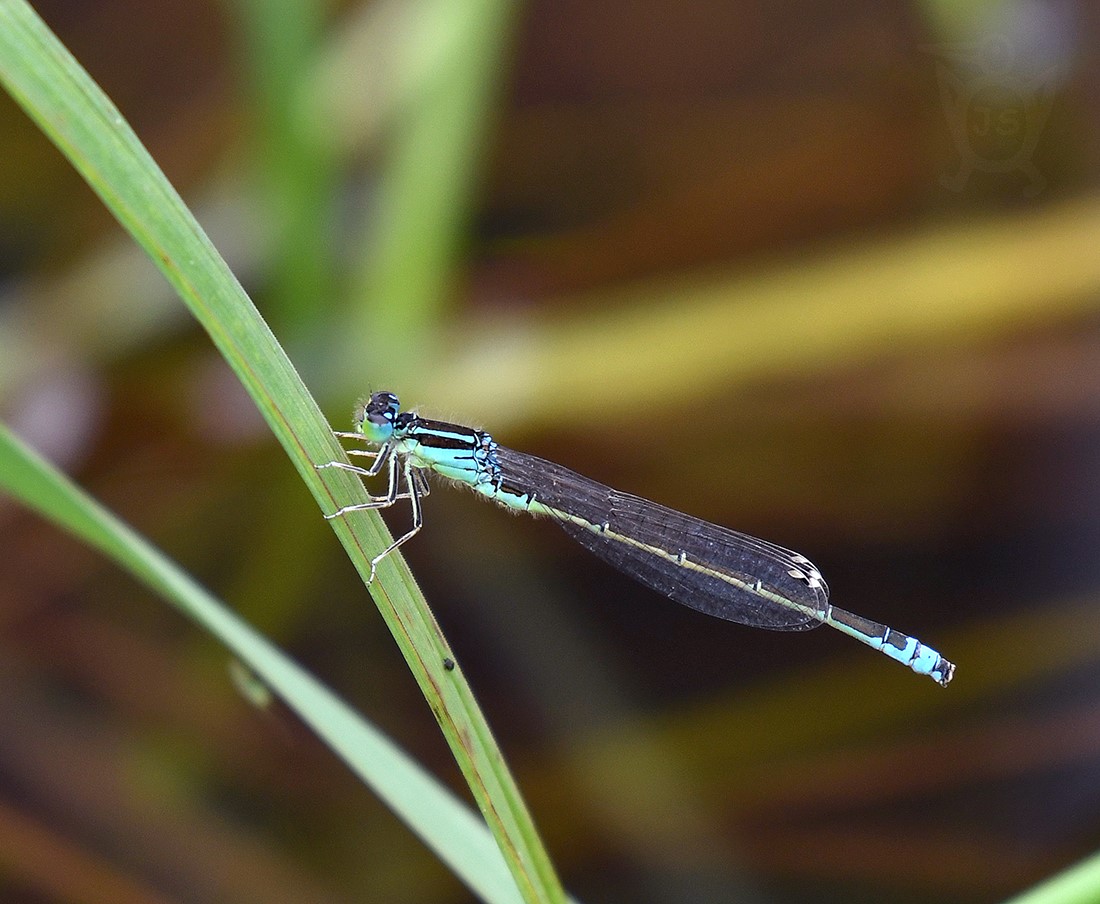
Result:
[[385, 457]]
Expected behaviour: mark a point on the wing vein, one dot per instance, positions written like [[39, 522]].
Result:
[[701, 565]]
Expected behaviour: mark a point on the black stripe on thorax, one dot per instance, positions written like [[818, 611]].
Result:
[[441, 435]]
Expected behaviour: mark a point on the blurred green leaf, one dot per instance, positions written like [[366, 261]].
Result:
[[427, 182]]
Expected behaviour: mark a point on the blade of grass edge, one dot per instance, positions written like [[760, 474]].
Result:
[[1077, 885], [69, 107], [445, 824]]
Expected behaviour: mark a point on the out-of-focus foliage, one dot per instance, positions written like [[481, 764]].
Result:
[[821, 272]]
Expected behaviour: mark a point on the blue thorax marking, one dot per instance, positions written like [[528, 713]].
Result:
[[451, 450]]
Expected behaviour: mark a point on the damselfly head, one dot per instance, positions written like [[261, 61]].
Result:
[[375, 419]]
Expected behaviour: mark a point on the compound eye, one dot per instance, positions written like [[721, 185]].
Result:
[[382, 408], [378, 416]]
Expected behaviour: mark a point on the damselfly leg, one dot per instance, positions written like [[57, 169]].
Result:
[[382, 458], [414, 480], [416, 486]]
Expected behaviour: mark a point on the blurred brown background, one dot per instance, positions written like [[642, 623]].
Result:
[[825, 273]]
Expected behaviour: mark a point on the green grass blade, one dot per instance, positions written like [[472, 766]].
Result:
[[1080, 884], [446, 825], [70, 108]]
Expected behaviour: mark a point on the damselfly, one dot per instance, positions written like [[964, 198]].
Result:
[[717, 571]]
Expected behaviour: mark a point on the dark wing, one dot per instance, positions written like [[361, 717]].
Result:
[[698, 564]]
